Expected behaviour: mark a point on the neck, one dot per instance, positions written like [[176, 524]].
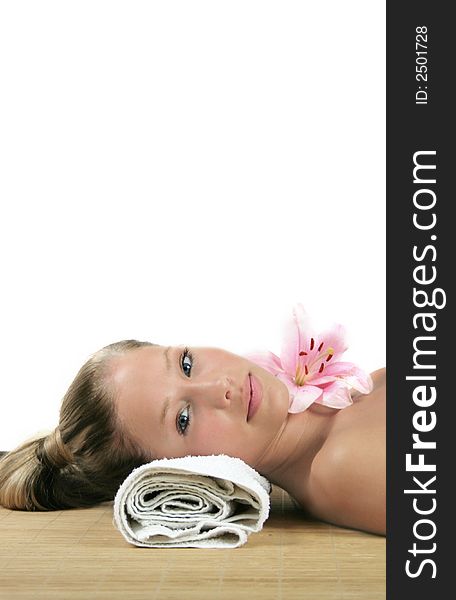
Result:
[[292, 452]]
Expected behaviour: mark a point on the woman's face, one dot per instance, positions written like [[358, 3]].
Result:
[[176, 401]]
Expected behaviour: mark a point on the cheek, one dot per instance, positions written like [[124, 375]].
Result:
[[216, 435]]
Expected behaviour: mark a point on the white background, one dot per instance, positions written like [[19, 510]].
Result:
[[184, 172]]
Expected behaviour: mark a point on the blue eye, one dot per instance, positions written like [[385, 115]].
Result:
[[183, 420], [187, 362]]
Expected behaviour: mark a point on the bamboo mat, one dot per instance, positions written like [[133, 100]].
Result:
[[79, 554]]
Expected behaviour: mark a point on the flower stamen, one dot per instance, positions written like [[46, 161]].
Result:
[[312, 343], [320, 347], [300, 379], [329, 353], [322, 366]]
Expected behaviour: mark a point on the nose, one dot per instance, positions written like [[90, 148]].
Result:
[[214, 391]]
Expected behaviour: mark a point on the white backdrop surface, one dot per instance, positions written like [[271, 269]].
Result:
[[185, 172]]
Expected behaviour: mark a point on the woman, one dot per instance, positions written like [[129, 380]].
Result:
[[133, 402]]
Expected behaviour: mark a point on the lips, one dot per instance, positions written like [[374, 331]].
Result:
[[251, 392], [247, 393], [256, 396]]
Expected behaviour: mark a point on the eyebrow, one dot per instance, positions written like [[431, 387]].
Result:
[[167, 401]]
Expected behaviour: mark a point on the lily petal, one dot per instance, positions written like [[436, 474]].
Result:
[[353, 375], [361, 381], [336, 338], [336, 395], [305, 396], [297, 332], [332, 372], [339, 369], [289, 382], [303, 320], [291, 343], [322, 379]]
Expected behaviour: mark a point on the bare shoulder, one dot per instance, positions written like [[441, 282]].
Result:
[[379, 376], [347, 491], [347, 483]]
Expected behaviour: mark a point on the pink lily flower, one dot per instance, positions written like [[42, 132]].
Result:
[[310, 365]]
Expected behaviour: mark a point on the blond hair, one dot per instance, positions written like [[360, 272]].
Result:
[[86, 458]]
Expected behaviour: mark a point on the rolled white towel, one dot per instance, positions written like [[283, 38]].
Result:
[[197, 502]]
